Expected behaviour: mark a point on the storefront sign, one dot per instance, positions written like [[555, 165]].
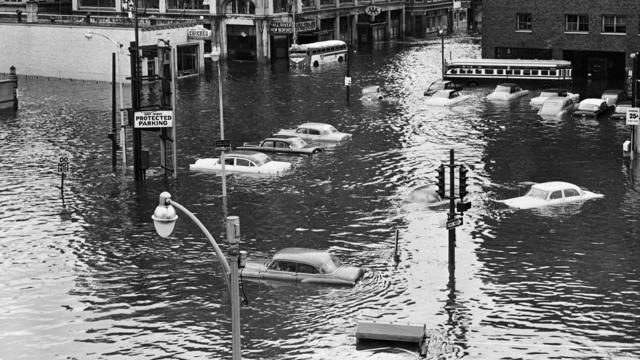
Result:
[[284, 27], [372, 10], [153, 119], [198, 33]]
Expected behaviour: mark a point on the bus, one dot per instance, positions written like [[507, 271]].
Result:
[[476, 71], [307, 55]]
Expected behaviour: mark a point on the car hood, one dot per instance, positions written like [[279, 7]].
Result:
[[524, 202], [349, 273], [275, 166]]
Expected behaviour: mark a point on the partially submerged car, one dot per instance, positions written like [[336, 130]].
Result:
[[425, 195], [446, 98], [305, 266], [283, 144], [553, 92], [506, 92], [441, 85], [591, 107], [556, 106], [613, 96], [550, 193], [317, 132], [250, 162], [620, 112], [371, 93]]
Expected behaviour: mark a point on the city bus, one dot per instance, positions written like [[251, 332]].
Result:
[[477, 71], [307, 55]]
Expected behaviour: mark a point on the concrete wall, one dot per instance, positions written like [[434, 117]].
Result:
[[63, 51]]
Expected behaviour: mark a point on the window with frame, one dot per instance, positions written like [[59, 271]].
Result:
[[571, 192], [307, 269], [523, 22], [576, 23], [613, 24], [555, 195]]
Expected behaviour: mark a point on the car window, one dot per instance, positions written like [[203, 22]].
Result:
[[537, 193], [268, 143], [314, 132], [282, 145], [229, 161], [301, 131], [571, 192], [556, 195], [282, 266], [307, 269], [242, 162]]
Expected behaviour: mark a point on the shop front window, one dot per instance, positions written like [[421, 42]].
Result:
[[186, 4], [97, 3]]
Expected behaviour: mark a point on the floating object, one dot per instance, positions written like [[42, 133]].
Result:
[[388, 331]]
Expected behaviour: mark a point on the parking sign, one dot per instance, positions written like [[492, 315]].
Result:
[[633, 116]]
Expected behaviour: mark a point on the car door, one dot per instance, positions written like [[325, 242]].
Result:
[[268, 145], [244, 165], [314, 134], [281, 147], [303, 133], [571, 195], [307, 272], [555, 197], [229, 164], [281, 270]]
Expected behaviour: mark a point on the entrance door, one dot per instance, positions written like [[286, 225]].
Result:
[[598, 68]]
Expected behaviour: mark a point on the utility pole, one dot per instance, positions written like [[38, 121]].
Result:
[[112, 134], [452, 214], [233, 238], [347, 79]]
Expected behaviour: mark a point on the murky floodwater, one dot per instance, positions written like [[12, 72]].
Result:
[[92, 280]]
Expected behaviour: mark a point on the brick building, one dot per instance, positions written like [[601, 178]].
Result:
[[596, 36]]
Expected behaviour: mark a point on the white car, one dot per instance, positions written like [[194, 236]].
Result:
[[371, 93], [556, 106], [552, 92], [250, 162], [446, 98], [550, 193], [506, 92], [613, 96], [317, 132], [591, 107]]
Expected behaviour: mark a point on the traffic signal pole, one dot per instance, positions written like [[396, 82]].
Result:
[[452, 214]]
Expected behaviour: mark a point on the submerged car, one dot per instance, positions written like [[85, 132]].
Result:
[[550, 193], [553, 92], [620, 112], [446, 98], [613, 96], [591, 107], [283, 144], [556, 106], [506, 92], [441, 85], [305, 266], [317, 132], [371, 93], [250, 162]]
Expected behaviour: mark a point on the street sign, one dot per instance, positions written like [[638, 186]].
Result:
[[633, 116], [372, 10], [223, 145], [454, 223], [153, 119], [63, 165], [347, 81]]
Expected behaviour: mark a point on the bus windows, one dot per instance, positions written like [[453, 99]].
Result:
[[526, 72], [488, 71], [499, 71], [544, 72], [553, 72]]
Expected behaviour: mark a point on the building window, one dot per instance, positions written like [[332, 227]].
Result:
[[523, 22], [186, 4], [613, 24], [240, 7], [98, 3], [576, 23]]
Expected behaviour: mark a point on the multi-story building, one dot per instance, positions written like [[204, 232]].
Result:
[[598, 37]]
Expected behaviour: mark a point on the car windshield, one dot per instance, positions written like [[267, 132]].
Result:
[[502, 88], [331, 265], [588, 106], [260, 159], [537, 193], [552, 105]]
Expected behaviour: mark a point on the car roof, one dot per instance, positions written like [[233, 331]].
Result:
[[554, 185], [554, 90], [247, 154], [304, 255], [564, 99], [280, 138], [315, 125], [592, 101]]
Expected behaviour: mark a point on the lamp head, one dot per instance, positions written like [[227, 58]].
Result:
[[164, 217], [215, 53]]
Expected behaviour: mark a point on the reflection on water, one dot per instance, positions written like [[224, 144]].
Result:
[[92, 280]]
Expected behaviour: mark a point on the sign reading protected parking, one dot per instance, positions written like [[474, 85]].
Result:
[[153, 119]]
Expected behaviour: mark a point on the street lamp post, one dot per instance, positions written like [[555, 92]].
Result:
[[164, 219], [441, 33], [123, 142], [215, 57]]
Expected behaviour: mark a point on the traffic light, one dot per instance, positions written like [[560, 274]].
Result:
[[440, 177], [462, 185], [461, 207]]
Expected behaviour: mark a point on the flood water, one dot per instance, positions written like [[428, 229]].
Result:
[[90, 279]]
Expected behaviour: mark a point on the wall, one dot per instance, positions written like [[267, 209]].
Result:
[[63, 51], [548, 21]]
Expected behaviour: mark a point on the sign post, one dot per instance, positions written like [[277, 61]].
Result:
[[63, 167]]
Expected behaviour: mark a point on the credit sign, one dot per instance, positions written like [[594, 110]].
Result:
[[153, 119]]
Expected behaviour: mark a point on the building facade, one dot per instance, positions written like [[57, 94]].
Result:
[[598, 37]]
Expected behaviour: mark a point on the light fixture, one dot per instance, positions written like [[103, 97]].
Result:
[[164, 217]]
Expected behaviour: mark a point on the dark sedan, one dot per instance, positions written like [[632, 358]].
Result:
[[284, 144]]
